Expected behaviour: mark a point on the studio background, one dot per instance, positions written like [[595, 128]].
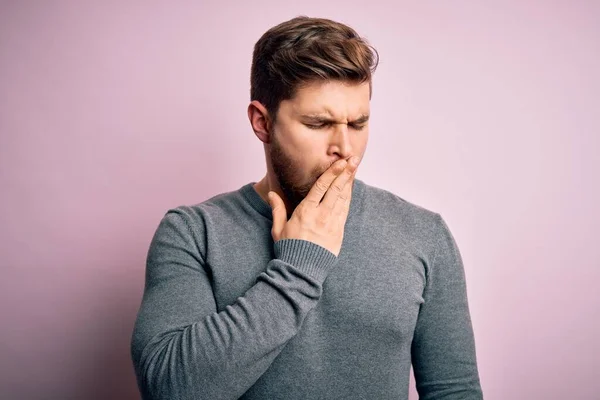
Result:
[[113, 112]]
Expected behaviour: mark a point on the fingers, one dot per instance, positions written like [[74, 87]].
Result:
[[279, 214], [342, 205], [322, 184], [341, 188]]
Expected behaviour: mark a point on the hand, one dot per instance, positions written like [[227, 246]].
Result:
[[320, 222]]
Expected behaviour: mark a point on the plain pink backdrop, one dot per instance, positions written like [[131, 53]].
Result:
[[113, 112]]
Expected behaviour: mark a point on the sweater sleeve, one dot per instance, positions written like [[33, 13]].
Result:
[[182, 348], [443, 347]]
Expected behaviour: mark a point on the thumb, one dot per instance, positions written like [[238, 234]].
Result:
[[279, 214]]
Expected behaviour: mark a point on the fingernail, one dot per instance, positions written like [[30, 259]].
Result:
[[354, 161]]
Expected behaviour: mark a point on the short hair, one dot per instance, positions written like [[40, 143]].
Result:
[[303, 50]]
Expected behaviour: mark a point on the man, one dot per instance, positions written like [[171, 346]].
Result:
[[309, 284]]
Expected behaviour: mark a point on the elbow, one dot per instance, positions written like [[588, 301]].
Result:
[[164, 371]]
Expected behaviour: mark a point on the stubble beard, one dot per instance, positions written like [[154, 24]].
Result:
[[288, 176]]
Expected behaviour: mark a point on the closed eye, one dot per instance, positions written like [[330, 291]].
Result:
[[358, 127], [316, 126]]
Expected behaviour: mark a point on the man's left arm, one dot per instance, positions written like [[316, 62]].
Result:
[[443, 347]]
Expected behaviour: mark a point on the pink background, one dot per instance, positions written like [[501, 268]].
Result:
[[114, 112]]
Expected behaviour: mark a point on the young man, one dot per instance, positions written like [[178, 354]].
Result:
[[309, 284]]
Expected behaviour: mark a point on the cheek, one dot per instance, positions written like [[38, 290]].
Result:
[[360, 143], [309, 149]]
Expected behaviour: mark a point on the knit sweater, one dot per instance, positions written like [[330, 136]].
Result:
[[227, 314]]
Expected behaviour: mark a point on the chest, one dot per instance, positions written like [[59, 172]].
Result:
[[376, 285], [376, 288]]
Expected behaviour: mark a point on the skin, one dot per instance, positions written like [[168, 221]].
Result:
[[324, 122]]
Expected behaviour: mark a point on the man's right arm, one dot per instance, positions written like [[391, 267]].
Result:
[[182, 348]]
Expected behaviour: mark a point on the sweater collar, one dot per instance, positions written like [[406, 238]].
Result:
[[264, 208]]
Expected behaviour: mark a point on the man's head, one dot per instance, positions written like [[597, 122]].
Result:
[[311, 83]]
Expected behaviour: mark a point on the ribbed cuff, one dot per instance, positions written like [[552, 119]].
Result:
[[306, 256]]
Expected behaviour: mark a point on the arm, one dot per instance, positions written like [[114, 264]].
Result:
[[182, 348], [443, 347]]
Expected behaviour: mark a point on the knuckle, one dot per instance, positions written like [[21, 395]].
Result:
[[302, 211], [321, 186], [321, 219], [337, 188]]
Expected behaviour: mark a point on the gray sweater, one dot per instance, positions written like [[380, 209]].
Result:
[[227, 314]]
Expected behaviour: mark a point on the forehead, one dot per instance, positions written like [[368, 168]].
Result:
[[335, 98]]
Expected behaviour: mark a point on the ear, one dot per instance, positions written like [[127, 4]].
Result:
[[260, 121]]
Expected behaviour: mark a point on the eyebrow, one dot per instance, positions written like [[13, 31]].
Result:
[[326, 119]]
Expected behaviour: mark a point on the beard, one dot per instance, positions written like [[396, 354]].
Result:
[[289, 176]]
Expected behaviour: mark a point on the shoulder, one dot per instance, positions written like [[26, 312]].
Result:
[[419, 228], [415, 226], [191, 222], [203, 212], [399, 209]]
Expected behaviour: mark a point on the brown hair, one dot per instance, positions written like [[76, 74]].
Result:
[[305, 49]]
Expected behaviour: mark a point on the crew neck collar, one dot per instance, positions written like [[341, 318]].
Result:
[[264, 208]]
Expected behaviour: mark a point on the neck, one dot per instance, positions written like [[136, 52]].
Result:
[[265, 185]]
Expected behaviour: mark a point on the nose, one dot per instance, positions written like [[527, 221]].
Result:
[[340, 142]]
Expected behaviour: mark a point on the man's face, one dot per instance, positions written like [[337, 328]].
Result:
[[324, 122]]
